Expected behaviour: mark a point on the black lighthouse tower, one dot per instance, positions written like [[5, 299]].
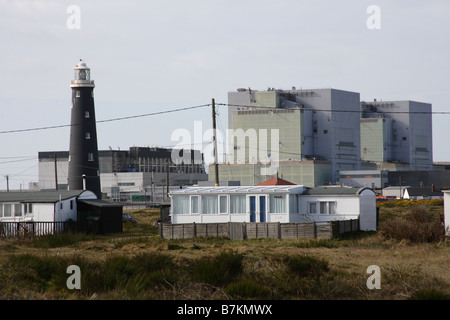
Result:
[[83, 154]]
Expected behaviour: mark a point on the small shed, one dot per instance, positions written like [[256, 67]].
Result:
[[99, 216], [58, 206]]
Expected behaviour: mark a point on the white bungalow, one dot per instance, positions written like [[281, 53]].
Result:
[[276, 203], [41, 206], [340, 203]]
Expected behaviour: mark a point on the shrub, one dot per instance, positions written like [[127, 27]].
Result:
[[247, 289], [418, 226], [430, 295], [219, 270], [306, 266]]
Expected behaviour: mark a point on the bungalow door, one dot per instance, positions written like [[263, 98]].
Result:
[[257, 205]]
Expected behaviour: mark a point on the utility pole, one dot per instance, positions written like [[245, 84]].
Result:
[[216, 168], [7, 183], [56, 173]]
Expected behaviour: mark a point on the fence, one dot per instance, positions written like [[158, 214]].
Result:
[[32, 229], [255, 230]]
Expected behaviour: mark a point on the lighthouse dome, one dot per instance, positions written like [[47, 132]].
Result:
[[81, 65]]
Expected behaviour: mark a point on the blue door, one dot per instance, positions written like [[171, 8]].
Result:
[[262, 208], [252, 200]]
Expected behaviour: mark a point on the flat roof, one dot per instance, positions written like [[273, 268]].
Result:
[[241, 189]]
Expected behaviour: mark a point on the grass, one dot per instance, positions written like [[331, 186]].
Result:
[[137, 264]]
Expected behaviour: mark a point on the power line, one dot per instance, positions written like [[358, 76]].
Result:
[[107, 120], [331, 110]]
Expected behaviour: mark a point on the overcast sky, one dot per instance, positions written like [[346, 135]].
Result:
[[151, 56]]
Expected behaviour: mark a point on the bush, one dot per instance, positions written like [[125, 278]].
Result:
[[247, 289], [219, 270], [418, 226], [306, 266], [430, 295]]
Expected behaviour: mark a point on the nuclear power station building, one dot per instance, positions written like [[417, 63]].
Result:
[[326, 136]]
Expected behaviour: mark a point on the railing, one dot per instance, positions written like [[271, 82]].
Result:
[[32, 229]]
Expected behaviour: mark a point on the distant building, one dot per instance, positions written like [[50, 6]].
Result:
[[140, 170], [310, 173], [374, 179], [422, 193], [313, 125], [398, 132]]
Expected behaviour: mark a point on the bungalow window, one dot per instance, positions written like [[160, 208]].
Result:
[[1, 210], [277, 203], [323, 207], [180, 205], [18, 210], [71, 204], [209, 204], [223, 202], [194, 204], [332, 207], [237, 204], [7, 210], [28, 207], [312, 207], [328, 207]]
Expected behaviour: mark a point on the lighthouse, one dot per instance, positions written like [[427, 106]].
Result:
[[83, 153]]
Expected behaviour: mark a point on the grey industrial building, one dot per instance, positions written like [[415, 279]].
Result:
[[397, 132], [123, 173], [328, 136]]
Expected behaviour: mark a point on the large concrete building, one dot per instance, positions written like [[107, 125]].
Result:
[[313, 125], [140, 170], [397, 132]]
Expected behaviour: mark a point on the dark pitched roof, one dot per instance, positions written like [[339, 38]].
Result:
[[419, 191], [101, 203], [39, 196], [332, 190]]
